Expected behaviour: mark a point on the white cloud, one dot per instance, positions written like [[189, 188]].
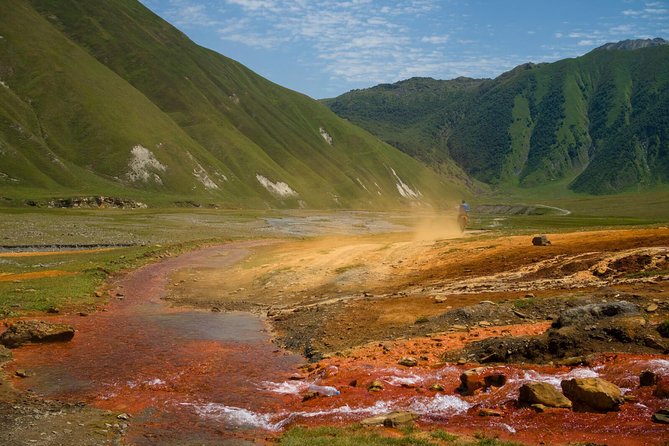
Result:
[[435, 40]]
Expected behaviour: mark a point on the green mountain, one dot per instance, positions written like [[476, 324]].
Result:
[[107, 98], [599, 122]]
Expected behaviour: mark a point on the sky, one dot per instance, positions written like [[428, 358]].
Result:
[[326, 48]]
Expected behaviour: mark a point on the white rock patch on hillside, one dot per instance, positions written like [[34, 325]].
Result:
[[403, 188], [201, 174], [326, 136], [143, 166], [279, 188]]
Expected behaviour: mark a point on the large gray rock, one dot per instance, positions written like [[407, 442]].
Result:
[[593, 394], [32, 332], [543, 393]]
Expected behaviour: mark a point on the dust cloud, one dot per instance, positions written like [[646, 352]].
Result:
[[439, 226]]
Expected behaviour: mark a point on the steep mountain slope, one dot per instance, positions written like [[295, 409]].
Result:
[[107, 98], [601, 120]]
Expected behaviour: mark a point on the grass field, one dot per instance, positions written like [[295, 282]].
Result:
[[68, 280]]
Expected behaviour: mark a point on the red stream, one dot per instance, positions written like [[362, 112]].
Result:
[[187, 375]]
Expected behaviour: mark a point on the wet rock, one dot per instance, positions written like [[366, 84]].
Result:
[[310, 396], [495, 380], [662, 387], [661, 416], [375, 386], [485, 412], [593, 394], [541, 240], [27, 332], [53, 310], [408, 361], [392, 419], [647, 378], [543, 394], [651, 308], [436, 387], [589, 314], [471, 381], [123, 416]]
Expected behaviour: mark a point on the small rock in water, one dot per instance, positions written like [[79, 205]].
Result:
[[375, 386], [495, 380], [22, 373], [647, 378], [651, 308], [123, 416], [436, 387], [484, 412], [661, 416], [53, 310]]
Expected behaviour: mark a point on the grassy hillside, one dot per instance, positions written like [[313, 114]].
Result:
[[107, 98], [600, 121]]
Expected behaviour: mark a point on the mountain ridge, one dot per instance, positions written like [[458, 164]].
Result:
[[108, 98], [599, 120]]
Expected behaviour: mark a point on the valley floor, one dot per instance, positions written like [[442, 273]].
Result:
[[354, 305]]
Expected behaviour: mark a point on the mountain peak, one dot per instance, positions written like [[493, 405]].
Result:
[[633, 44]]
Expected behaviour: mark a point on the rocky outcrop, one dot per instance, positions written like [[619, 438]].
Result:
[[590, 314], [96, 202], [544, 394], [593, 394], [32, 332]]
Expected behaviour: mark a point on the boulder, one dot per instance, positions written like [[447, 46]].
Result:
[[392, 419], [471, 380], [32, 332], [543, 394], [593, 394], [541, 240]]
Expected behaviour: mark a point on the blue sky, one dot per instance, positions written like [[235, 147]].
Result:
[[325, 48]]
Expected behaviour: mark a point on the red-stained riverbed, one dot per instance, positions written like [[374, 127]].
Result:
[[197, 377]]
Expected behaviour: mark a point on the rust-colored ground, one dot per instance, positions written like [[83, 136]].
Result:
[[9, 277]]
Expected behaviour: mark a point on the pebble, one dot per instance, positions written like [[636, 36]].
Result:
[[651, 308]]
